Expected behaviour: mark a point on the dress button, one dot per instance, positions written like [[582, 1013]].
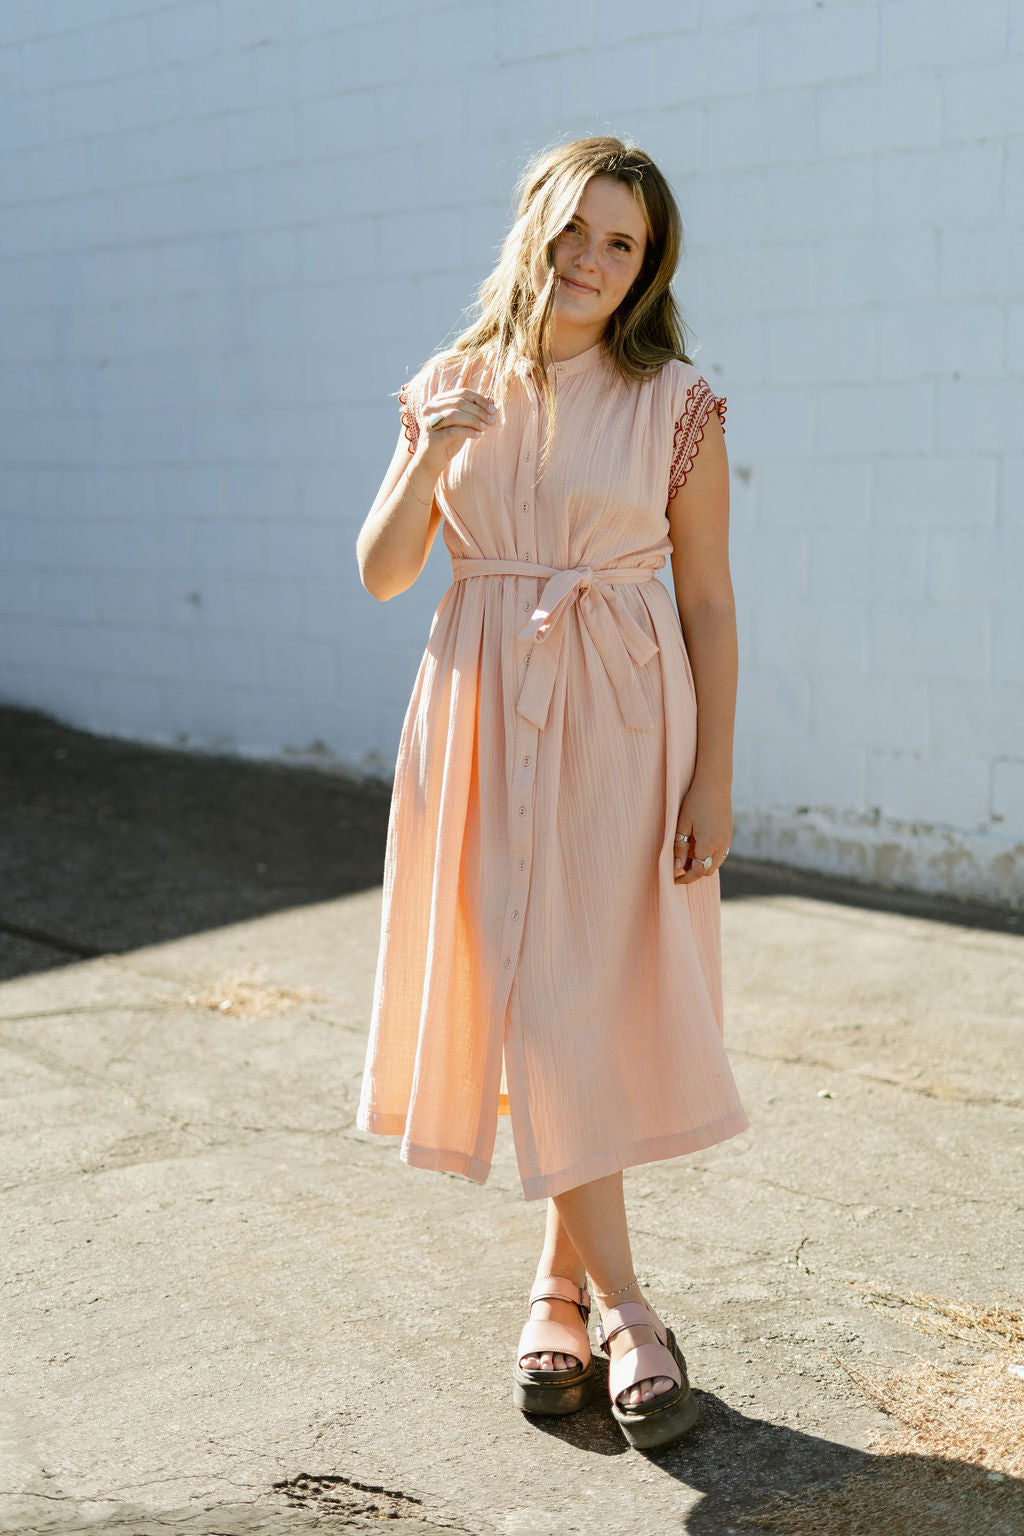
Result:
[[522, 863], [527, 557], [522, 810], [515, 916], [527, 458], [507, 964], [526, 506], [526, 762], [527, 607]]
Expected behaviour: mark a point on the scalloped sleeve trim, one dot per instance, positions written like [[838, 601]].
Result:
[[409, 423], [701, 400]]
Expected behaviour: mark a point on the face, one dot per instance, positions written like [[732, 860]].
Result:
[[597, 257]]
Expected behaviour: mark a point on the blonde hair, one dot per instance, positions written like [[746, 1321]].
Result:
[[514, 322]]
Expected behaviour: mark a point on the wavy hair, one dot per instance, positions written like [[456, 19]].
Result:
[[514, 321]]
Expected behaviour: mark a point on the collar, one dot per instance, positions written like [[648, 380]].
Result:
[[571, 366]]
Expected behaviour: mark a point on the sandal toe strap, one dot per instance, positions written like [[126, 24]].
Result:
[[630, 1314], [541, 1336], [643, 1363]]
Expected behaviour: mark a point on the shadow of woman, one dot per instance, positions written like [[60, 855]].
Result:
[[755, 1478]]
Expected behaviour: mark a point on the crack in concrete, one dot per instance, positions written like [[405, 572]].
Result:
[[325, 1494], [312, 1483], [803, 1194], [928, 1091], [849, 1205], [78, 1009], [155, 1005], [41, 1057]]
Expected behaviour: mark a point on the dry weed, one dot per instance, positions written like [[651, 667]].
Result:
[[953, 1319], [953, 1466], [248, 997]]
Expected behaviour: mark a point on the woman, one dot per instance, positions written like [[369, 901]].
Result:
[[550, 927]]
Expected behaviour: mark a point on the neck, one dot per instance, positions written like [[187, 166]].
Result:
[[565, 348]]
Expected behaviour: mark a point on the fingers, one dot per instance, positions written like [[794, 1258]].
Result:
[[690, 860], [459, 408], [694, 868]]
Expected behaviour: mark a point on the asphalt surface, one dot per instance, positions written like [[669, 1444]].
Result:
[[228, 1311]]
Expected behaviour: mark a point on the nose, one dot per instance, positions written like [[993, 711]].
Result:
[[586, 255]]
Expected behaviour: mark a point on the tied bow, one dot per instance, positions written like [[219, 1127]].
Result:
[[617, 637]]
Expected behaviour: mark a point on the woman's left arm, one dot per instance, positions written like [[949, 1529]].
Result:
[[698, 518]]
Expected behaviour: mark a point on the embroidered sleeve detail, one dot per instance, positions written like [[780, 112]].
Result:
[[689, 430], [409, 422]]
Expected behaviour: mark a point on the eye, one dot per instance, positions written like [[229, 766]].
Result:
[[623, 245]]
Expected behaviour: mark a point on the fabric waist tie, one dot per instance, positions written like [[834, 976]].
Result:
[[618, 638]]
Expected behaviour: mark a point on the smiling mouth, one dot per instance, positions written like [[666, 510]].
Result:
[[580, 287]]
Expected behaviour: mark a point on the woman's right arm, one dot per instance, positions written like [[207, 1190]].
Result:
[[395, 539]]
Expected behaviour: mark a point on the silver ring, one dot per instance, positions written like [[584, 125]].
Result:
[[679, 838], [435, 421], [706, 862]]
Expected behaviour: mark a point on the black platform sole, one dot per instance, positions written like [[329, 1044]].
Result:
[[536, 1392], [646, 1427]]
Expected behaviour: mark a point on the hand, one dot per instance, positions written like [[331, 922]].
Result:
[[463, 415], [705, 821]]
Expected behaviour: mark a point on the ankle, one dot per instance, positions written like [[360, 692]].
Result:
[[574, 1273], [625, 1293]]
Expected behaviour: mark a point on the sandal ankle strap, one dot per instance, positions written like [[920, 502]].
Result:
[[557, 1288]]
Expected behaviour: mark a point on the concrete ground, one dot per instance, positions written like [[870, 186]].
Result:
[[227, 1311]]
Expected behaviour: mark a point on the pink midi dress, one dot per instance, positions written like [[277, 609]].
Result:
[[537, 957]]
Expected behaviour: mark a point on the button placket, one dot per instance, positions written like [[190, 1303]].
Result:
[[521, 785], [521, 808], [526, 481]]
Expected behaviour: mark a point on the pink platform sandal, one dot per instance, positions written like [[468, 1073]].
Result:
[[554, 1391], [670, 1414]]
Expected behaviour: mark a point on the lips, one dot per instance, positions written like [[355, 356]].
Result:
[[572, 283]]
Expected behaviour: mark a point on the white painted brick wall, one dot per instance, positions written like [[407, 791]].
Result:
[[230, 229]]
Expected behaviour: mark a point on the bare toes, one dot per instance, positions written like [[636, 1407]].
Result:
[[644, 1391]]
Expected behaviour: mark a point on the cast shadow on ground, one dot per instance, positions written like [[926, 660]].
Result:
[[738, 1463], [111, 845]]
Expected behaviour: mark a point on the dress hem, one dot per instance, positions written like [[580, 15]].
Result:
[[437, 1159], [655, 1150], [444, 1160]]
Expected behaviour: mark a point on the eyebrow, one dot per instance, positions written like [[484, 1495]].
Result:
[[616, 234]]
